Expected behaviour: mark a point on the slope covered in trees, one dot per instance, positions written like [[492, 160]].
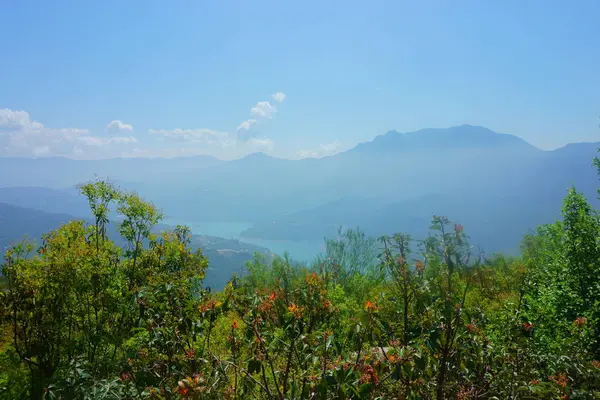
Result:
[[389, 318]]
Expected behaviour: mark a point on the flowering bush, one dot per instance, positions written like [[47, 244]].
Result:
[[404, 319]]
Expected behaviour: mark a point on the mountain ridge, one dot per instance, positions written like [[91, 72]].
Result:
[[260, 189]]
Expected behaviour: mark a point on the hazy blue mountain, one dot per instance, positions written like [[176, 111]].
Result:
[[497, 185], [65, 201], [496, 223], [226, 256], [18, 223], [458, 137]]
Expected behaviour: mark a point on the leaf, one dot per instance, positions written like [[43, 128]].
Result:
[[254, 366], [365, 389]]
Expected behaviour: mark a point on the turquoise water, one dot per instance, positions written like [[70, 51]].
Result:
[[301, 250]]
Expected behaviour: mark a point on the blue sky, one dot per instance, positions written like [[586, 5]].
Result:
[[183, 75]]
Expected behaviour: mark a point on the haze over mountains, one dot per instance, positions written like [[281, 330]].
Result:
[[497, 185]]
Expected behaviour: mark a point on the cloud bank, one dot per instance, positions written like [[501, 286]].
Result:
[[21, 136]]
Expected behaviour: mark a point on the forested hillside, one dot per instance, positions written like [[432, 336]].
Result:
[[86, 317]]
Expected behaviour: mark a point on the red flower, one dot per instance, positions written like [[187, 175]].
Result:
[[124, 376], [368, 375], [458, 228], [580, 321], [527, 326], [190, 353], [234, 325]]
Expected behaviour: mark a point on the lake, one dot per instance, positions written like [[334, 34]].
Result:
[[301, 250]]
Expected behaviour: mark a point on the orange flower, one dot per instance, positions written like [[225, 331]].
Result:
[[370, 306], [234, 325], [420, 267], [265, 306], [560, 379], [580, 321], [596, 363], [297, 311], [535, 382], [209, 305], [272, 296], [312, 279]]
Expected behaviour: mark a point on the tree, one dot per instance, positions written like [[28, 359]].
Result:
[[140, 217], [99, 195]]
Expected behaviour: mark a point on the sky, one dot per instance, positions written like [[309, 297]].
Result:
[[135, 78]]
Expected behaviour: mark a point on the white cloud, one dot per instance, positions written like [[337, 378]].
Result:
[[323, 150], [224, 151], [118, 126], [263, 109], [102, 142], [199, 136], [204, 141], [17, 120], [123, 140], [22, 136], [279, 97], [246, 124], [260, 144], [40, 151]]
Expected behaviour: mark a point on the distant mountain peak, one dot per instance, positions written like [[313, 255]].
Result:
[[462, 136]]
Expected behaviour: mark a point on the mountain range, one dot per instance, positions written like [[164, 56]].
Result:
[[497, 185]]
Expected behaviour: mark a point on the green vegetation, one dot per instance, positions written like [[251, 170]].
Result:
[[392, 318], [226, 255]]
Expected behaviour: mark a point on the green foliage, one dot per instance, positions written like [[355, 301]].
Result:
[[85, 319]]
